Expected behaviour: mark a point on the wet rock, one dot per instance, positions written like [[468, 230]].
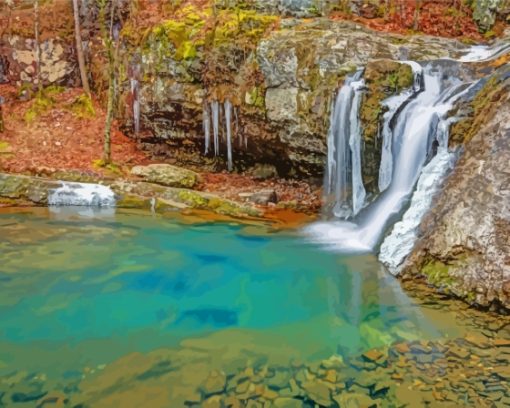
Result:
[[263, 171], [354, 400], [279, 380], [263, 197], [501, 343], [375, 356], [458, 352], [215, 401], [287, 403], [464, 239], [484, 13], [215, 383], [318, 392], [282, 104], [167, 175], [53, 399]]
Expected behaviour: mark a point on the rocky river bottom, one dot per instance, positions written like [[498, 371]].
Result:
[[129, 309]]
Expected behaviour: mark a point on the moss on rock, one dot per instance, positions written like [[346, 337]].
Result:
[[383, 78]]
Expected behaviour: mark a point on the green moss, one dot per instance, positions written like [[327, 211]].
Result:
[[82, 107], [40, 105], [133, 201], [482, 107], [255, 97], [112, 167], [193, 199], [437, 273], [5, 147]]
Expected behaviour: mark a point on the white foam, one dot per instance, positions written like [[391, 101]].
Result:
[[399, 243], [81, 194]]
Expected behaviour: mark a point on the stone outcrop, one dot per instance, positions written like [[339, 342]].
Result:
[[281, 85], [464, 247], [58, 62], [19, 190], [485, 12], [166, 175]]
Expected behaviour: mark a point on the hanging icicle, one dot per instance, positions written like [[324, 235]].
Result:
[[215, 110], [207, 128], [228, 119]]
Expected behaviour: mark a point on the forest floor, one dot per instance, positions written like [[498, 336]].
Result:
[[57, 133]]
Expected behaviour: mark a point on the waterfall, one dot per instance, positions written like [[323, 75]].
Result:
[[135, 85], [215, 110], [394, 104], [416, 125], [358, 190], [207, 128], [228, 119], [81, 194], [344, 117]]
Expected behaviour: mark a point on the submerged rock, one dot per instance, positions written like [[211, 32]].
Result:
[[167, 175]]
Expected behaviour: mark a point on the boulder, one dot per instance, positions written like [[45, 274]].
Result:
[[166, 175], [464, 240]]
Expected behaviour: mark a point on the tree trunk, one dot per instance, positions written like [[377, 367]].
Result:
[[2, 127], [417, 9], [37, 46], [79, 48]]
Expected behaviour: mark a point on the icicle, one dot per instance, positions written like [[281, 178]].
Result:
[[207, 128], [358, 189], [238, 134], [228, 119], [215, 110]]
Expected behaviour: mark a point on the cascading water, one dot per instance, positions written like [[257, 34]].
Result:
[[81, 194], [344, 148], [358, 189], [394, 104], [415, 128]]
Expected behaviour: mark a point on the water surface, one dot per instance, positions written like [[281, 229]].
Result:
[[80, 289]]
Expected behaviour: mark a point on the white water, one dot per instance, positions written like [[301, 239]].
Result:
[[206, 122], [343, 113], [215, 109], [414, 132], [228, 124], [479, 53], [81, 194], [394, 104], [135, 85], [358, 189], [399, 243]]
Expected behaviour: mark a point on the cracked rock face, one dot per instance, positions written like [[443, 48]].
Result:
[[465, 242]]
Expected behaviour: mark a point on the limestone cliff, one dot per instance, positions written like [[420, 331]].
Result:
[[464, 247]]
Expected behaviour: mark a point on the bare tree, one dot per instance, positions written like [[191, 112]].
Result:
[[79, 48], [107, 32], [37, 46], [416, 19]]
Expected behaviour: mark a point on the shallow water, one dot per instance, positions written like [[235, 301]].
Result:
[[80, 289], [131, 282]]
